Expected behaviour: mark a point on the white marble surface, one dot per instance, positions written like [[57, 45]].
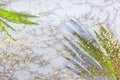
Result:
[[37, 53]]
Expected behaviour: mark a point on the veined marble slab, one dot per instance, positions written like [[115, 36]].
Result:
[[37, 53]]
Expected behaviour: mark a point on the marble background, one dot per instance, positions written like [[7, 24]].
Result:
[[36, 55]]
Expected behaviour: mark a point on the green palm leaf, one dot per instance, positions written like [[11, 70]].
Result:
[[16, 17], [104, 51], [3, 28]]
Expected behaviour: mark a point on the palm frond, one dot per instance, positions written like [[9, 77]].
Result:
[[104, 50], [112, 47], [15, 17]]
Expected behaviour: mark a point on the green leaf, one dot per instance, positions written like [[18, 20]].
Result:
[[16, 17], [3, 28], [7, 25], [90, 54], [107, 60], [24, 14]]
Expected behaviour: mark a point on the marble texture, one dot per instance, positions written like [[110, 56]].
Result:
[[36, 55]]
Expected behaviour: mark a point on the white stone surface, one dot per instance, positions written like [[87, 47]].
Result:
[[39, 47], [33, 67], [22, 75]]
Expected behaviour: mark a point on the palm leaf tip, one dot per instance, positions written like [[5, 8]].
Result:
[[25, 15], [4, 30], [7, 25]]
